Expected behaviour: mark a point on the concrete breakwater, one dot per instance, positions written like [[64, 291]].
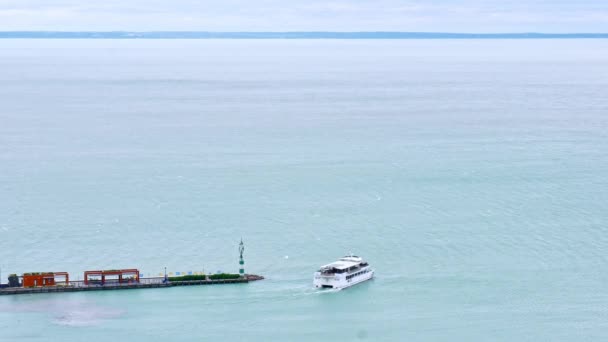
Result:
[[144, 283]]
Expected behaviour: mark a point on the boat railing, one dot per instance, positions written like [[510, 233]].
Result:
[[328, 275]]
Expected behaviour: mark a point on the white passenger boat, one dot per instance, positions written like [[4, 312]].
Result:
[[345, 272]]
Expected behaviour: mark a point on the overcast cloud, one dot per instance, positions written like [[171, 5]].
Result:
[[306, 15]]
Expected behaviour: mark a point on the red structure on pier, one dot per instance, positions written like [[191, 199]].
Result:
[[111, 276], [43, 279]]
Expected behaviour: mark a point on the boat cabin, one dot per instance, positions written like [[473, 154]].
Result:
[[347, 264]]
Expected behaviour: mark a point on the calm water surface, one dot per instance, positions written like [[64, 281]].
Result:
[[472, 175]]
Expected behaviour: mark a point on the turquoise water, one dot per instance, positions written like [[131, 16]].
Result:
[[471, 174]]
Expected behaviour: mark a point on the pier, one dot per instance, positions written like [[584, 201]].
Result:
[[118, 279], [144, 283]]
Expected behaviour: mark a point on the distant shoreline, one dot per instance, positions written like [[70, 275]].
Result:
[[287, 35]]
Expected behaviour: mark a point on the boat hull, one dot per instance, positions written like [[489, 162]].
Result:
[[340, 282]]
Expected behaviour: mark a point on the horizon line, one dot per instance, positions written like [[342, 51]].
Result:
[[290, 35]]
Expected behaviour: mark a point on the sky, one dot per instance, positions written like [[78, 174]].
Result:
[[475, 16]]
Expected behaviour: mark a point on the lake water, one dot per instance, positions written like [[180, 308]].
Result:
[[472, 174]]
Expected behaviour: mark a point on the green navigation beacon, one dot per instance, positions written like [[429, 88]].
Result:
[[241, 261]]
